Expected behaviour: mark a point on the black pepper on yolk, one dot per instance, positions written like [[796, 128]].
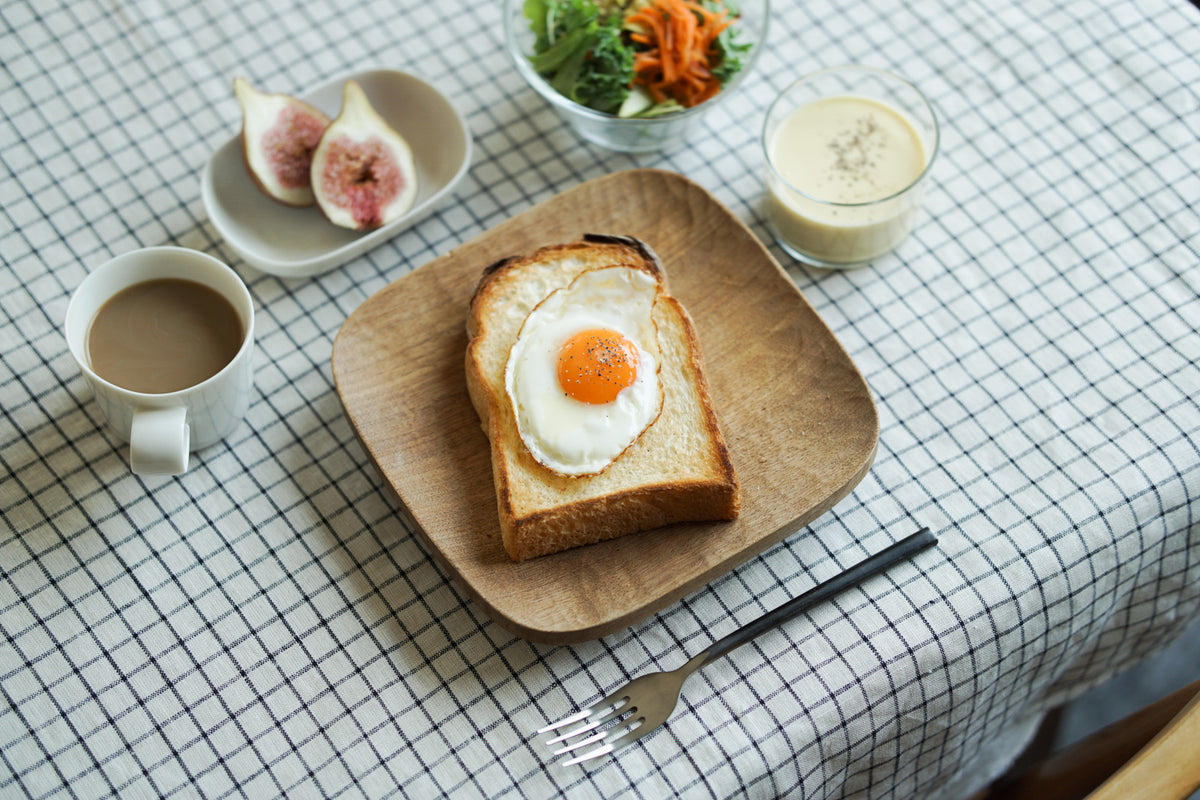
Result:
[[595, 365]]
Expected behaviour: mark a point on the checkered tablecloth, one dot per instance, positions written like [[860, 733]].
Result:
[[265, 625]]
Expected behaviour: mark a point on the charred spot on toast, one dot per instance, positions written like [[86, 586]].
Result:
[[643, 250], [495, 267], [643, 255], [488, 274]]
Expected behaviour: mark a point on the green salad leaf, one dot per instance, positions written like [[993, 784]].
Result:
[[731, 49], [579, 53], [585, 53]]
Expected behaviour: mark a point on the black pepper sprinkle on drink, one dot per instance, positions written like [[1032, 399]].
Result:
[[857, 149]]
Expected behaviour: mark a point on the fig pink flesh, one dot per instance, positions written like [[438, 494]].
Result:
[[289, 145], [362, 177]]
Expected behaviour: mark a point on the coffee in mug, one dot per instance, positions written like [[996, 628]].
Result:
[[165, 337]]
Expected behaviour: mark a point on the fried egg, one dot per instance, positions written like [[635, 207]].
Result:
[[582, 375]]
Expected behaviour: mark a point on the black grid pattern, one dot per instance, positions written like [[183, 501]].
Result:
[[266, 626]]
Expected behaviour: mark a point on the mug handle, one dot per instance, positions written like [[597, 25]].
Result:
[[159, 441]]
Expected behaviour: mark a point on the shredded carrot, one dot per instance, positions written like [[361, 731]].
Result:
[[681, 39]]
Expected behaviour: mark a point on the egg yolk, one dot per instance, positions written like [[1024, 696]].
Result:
[[595, 365]]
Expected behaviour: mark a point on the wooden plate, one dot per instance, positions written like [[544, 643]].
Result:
[[798, 418]]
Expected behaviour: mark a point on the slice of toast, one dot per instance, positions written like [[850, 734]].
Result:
[[678, 470]]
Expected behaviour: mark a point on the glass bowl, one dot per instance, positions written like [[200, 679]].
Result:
[[632, 135], [820, 230]]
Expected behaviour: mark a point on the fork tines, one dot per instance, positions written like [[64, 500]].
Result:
[[604, 730]]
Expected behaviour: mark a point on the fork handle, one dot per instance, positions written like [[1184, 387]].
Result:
[[873, 565]]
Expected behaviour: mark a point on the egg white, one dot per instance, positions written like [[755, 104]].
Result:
[[566, 435]]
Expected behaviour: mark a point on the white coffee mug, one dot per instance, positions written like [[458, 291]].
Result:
[[163, 428]]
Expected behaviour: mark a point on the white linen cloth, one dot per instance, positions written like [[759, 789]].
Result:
[[266, 626]]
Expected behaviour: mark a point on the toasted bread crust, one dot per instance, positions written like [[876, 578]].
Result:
[[678, 470], [622, 250]]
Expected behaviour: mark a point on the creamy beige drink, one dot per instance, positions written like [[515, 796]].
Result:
[[844, 176]]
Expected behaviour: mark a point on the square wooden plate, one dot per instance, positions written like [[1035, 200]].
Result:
[[798, 417]]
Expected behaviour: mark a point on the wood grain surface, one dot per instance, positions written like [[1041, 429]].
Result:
[[798, 418]]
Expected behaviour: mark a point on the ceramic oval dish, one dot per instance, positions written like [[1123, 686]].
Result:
[[299, 242]]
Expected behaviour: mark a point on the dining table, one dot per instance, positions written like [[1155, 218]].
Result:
[[280, 621]]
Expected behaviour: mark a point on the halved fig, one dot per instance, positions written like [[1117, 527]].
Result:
[[362, 171], [279, 135]]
